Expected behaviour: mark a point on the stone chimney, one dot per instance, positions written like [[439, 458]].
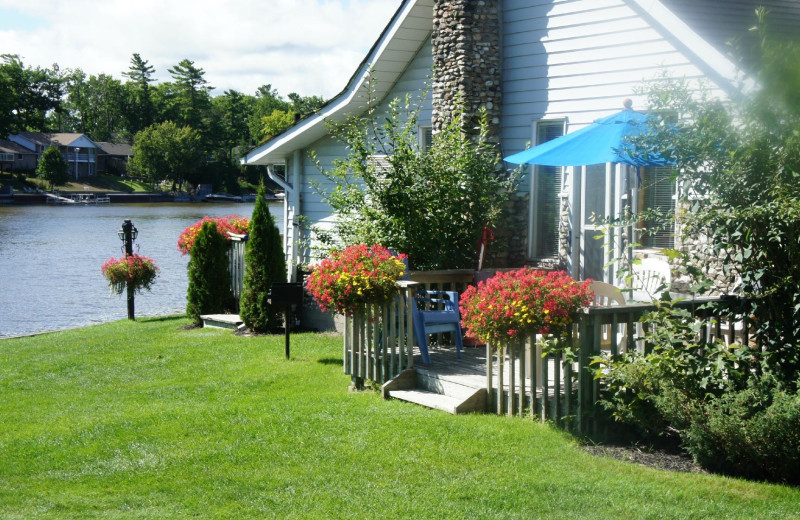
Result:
[[467, 62]]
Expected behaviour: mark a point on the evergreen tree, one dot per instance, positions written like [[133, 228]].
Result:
[[52, 167], [192, 92], [265, 264], [140, 106], [209, 289]]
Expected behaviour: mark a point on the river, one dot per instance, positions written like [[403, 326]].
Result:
[[50, 258]]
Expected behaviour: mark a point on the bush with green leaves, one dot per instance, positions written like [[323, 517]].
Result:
[[751, 433], [265, 264], [52, 167], [429, 204], [738, 163], [209, 290]]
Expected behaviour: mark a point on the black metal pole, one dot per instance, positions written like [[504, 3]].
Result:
[[127, 230], [286, 325]]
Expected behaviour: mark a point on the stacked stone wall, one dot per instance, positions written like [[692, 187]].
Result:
[[467, 62]]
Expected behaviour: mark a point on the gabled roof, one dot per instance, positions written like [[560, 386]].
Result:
[[397, 45], [12, 147], [121, 149], [57, 139]]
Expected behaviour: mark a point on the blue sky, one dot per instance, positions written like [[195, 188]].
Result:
[[304, 46]]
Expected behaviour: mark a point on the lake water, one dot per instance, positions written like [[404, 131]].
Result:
[[50, 258]]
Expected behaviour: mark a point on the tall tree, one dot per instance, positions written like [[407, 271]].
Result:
[[264, 264], [94, 106], [305, 105], [192, 93], [232, 110], [29, 95], [140, 109], [267, 100]]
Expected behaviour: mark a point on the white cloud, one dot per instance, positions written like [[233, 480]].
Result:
[[311, 47]]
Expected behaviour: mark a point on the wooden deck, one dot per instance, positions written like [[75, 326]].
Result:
[[470, 370]]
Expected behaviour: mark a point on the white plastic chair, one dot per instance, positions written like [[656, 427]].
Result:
[[606, 295]]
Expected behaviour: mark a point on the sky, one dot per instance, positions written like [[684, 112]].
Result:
[[310, 47]]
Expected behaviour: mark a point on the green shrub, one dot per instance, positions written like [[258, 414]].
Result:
[[209, 289], [754, 433], [265, 264]]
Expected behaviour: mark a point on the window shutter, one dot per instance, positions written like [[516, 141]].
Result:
[[425, 138], [659, 193], [547, 209]]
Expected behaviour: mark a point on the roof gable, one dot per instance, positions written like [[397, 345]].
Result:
[[399, 42]]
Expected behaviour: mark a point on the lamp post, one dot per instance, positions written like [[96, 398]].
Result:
[[77, 150], [128, 234]]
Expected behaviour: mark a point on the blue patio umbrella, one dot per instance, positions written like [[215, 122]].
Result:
[[601, 142]]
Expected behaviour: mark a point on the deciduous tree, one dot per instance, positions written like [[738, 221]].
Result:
[[52, 167]]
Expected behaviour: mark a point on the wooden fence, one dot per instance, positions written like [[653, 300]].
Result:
[[378, 346], [378, 342], [565, 390], [236, 264]]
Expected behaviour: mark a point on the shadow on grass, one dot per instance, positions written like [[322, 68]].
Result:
[[330, 361], [157, 319]]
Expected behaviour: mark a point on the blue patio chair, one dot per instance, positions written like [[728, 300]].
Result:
[[434, 312]]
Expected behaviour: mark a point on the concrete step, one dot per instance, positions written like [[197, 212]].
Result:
[[428, 399], [476, 402], [442, 385]]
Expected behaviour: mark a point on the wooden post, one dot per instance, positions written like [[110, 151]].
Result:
[[512, 381], [501, 354], [489, 376], [521, 345]]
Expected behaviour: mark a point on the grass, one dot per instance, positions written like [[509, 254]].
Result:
[[101, 182], [143, 420]]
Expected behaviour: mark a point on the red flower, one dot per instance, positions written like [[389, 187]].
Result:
[[228, 224], [522, 302], [355, 276], [138, 271]]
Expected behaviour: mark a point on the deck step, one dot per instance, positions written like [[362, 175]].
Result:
[[475, 402], [221, 321], [428, 399], [454, 386]]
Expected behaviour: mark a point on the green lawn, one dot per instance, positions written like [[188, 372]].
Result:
[[101, 182], [143, 420]]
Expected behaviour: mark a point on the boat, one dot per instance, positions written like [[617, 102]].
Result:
[[90, 198], [222, 197]]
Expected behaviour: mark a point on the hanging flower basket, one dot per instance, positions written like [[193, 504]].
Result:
[[355, 276], [230, 223], [521, 303], [139, 271]]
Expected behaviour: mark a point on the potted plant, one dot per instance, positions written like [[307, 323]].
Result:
[[138, 272], [355, 276], [227, 224], [522, 303]]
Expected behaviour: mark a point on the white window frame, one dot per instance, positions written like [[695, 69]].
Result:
[[534, 245], [425, 137]]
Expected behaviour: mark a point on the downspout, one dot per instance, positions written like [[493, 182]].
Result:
[[297, 184], [287, 190]]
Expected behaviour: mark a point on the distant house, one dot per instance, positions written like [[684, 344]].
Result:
[[541, 68], [78, 150], [113, 157], [15, 157]]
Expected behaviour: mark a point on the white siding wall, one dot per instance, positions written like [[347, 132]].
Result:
[[577, 59], [414, 80]]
